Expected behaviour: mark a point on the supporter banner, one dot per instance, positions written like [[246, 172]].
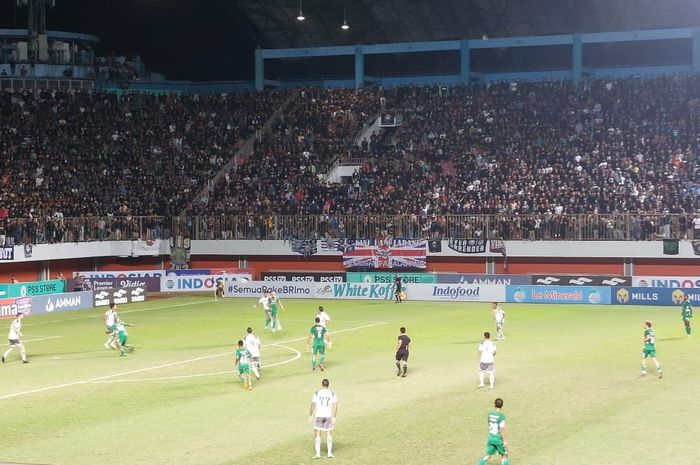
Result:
[[10, 307], [7, 254], [199, 283], [356, 291], [303, 276], [386, 278], [205, 271], [152, 284], [696, 247], [120, 274], [653, 295], [256, 288], [666, 281], [581, 280], [118, 296], [36, 288], [145, 248], [385, 254], [61, 302], [505, 279], [304, 247], [467, 245], [558, 294], [457, 292]]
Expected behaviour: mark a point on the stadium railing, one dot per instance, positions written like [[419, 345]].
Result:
[[546, 226]]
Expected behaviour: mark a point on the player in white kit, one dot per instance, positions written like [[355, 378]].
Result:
[[499, 317], [323, 317], [111, 319], [252, 343], [15, 338], [324, 407], [487, 352], [265, 302]]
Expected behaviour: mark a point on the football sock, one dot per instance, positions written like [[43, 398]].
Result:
[[644, 368], [483, 461], [267, 322], [405, 368], [274, 324], [254, 366], [318, 445], [481, 378], [688, 330], [23, 352], [323, 359], [329, 443], [7, 352], [313, 362], [491, 378], [504, 461], [658, 366]]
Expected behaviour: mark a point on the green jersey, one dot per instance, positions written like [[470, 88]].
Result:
[[319, 334], [686, 310], [274, 302], [496, 421], [121, 328], [649, 339], [243, 356]]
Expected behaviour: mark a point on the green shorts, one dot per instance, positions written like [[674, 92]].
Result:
[[123, 338], [648, 353], [495, 446], [273, 312], [319, 349], [113, 328], [243, 368]]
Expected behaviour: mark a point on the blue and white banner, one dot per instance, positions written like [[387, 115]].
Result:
[[654, 295], [558, 294], [61, 302], [504, 279], [199, 283], [301, 290], [457, 292], [666, 281]]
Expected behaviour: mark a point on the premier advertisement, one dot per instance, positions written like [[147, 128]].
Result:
[[199, 283], [666, 281], [152, 284], [303, 276], [658, 296], [558, 294], [118, 296], [581, 280]]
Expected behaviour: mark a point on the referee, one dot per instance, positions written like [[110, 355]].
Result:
[[397, 291], [402, 353]]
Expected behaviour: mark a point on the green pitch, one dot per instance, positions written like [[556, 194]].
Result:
[[569, 376]]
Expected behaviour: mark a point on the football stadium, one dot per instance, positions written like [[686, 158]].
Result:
[[257, 232]]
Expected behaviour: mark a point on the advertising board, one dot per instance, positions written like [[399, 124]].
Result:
[[504, 279], [653, 295], [581, 280], [256, 288], [558, 294], [208, 271], [10, 307], [388, 278], [33, 288], [303, 276], [666, 281], [61, 302], [119, 296], [457, 292], [199, 283], [152, 284], [121, 274]]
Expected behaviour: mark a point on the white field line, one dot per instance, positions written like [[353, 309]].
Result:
[[165, 365], [100, 315], [297, 356], [41, 339]]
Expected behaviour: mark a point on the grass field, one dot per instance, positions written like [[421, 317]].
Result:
[[569, 376]]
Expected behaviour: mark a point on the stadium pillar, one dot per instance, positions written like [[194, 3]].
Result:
[[464, 63], [359, 67], [696, 50], [577, 60], [259, 70]]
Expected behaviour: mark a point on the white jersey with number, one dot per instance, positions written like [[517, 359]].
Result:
[[265, 303], [487, 350], [499, 315], [324, 399], [252, 343], [323, 318], [15, 329], [111, 317]]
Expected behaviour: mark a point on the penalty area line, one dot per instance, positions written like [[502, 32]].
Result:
[[166, 365]]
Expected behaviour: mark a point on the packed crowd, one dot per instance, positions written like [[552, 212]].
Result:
[[547, 159]]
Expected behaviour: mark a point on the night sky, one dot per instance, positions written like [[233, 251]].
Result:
[[195, 40]]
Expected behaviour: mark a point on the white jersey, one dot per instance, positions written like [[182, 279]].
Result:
[[15, 329], [111, 317], [265, 303], [252, 343], [325, 400], [499, 315], [487, 350], [323, 318]]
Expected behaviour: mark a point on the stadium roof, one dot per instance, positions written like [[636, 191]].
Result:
[[273, 23]]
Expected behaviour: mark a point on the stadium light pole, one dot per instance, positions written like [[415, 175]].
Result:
[[301, 16], [345, 25]]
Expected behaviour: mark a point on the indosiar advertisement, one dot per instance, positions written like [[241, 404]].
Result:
[[559, 294], [659, 296]]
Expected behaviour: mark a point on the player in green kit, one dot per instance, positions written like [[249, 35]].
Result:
[[649, 349], [497, 438], [275, 305], [687, 314], [123, 337], [319, 336], [243, 362]]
